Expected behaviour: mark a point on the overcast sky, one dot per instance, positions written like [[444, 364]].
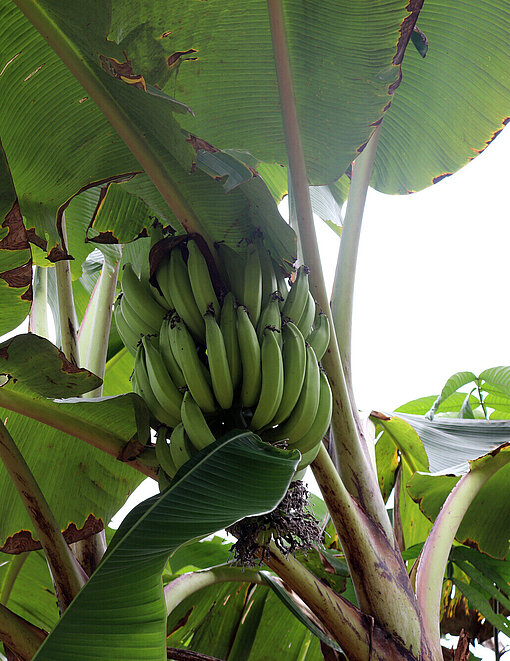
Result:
[[432, 281]]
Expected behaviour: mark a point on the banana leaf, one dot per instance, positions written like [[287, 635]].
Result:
[[120, 612], [61, 463], [15, 255], [450, 104]]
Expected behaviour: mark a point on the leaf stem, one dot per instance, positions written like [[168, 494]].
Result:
[[134, 139], [187, 584], [89, 551], [68, 579], [434, 556], [343, 285], [480, 397], [11, 575], [20, 636], [358, 635], [47, 412], [377, 570], [356, 469]]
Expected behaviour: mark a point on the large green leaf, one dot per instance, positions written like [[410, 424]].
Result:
[[298, 613], [422, 405], [451, 386], [61, 463], [33, 594], [236, 622], [145, 119], [498, 377], [15, 255], [39, 366], [228, 217], [56, 139], [453, 102], [208, 620], [120, 613], [486, 524], [343, 71], [399, 436], [78, 480]]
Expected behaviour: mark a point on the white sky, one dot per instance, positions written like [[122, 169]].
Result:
[[433, 269]]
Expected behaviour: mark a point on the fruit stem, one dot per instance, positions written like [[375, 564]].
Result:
[[187, 584]]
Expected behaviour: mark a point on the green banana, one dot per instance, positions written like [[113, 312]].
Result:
[[319, 337], [161, 382], [252, 285], [294, 366], [139, 325], [250, 358], [305, 322], [128, 336], [269, 282], [139, 296], [270, 316], [182, 295], [200, 279], [298, 475], [228, 326], [158, 296], [308, 457], [272, 381], [297, 297], [163, 280], [303, 415], [185, 351], [218, 362], [321, 421], [168, 355], [234, 266], [164, 482], [282, 285], [181, 448], [195, 424], [163, 453], [142, 387]]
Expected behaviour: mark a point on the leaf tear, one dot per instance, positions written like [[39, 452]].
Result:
[[23, 541], [123, 71], [175, 59]]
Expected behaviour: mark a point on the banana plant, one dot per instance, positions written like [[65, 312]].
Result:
[[120, 120]]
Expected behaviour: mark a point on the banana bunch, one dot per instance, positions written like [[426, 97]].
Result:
[[211, 356]]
